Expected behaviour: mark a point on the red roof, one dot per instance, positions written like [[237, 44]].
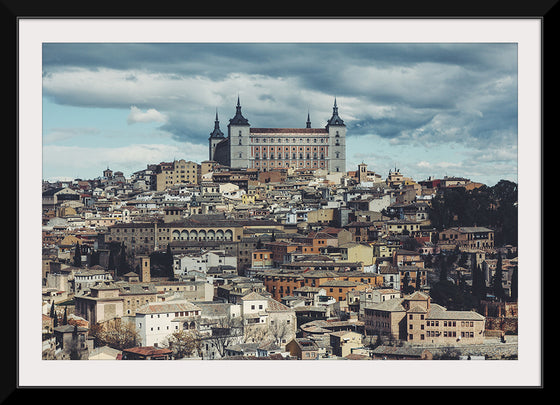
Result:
[[288, 130], [148, 351]]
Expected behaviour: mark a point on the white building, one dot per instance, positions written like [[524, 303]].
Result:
[[185, 263], [84, 279], [156, 321], [265, 320]]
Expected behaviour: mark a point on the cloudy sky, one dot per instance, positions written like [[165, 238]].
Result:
[[426, 109]]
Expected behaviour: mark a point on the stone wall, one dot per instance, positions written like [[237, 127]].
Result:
[[491, 349]]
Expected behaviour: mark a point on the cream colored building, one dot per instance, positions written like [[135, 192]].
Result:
[[357, 252], [178, 172], [102, 304], [398, 227], [321, 216], [342, 342], [415, 319], [468, 237], [148, 237]]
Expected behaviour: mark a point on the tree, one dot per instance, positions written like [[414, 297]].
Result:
[[53, 311], [112, 254], [279, 329], [118, 334], [442, 269], [74, 348], [54, 315], [77, 256], [169, 263], [478, 282], [94, 258], [514, 284], [497, 286], [407, 288], [493, 207], [225, 332], [65, 318], [123, 266], [183, 343], [451, 296]]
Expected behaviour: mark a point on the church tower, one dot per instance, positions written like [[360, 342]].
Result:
[[337, 142], [239, 139], [216, 137]]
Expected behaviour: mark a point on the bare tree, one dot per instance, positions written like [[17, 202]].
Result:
[[279, 330], [116, 334], [225, 332], [184, 343]]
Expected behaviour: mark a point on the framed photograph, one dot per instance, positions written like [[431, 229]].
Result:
[[422, 97]]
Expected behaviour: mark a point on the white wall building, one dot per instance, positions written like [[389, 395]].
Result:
[[156, 321], [184, 263]]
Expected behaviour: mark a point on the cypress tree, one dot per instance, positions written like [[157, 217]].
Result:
[[169, 263], [497, 287], [111, 264], [77, 256], [406, 282], [443, 269], [65, 319], [123, 264], [514, 284], [481, 282]]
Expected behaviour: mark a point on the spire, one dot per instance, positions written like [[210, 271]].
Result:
[[216, 133], [308, 123], [335, 119], [238, 119]]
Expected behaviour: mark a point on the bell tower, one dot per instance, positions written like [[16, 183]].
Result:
[[215, 138], [337, 142], [239, 139], [144, 269]]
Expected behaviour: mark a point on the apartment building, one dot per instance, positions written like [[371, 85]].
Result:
[[415, 319], [178, 172]]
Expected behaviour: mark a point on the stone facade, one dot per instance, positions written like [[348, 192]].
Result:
[[267, 149], [415, 319], [178, 172]]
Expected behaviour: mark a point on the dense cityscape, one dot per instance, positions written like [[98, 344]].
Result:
[[274, 249]]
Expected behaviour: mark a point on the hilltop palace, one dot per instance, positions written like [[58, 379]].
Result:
[[273, 148]]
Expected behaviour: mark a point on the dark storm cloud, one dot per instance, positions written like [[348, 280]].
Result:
[[469, 88]]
